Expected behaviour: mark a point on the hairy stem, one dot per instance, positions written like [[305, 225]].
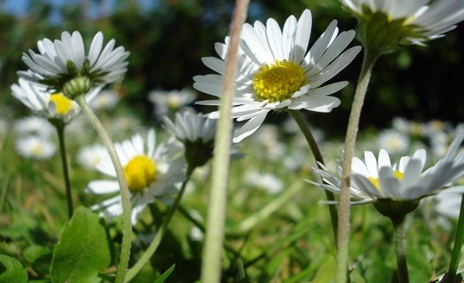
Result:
[[350, 142], [400, 250], [212, 253], [124, 190]]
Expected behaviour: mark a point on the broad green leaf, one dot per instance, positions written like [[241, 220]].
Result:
[[11, 270], [165, 275], [82, 251]]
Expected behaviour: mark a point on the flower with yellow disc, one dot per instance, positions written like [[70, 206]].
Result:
[[151, 171], [277, 70]]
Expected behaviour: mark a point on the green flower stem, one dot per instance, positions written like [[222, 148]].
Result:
[[60, 125], [270, 208], [212, 253], [132, 272], [350, 142], [304, 127], [400, 249], [124, 190], [450, 276]]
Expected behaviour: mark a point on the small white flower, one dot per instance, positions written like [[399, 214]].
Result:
[[46, 103], [393, 141], [376, 179], [424, 21], [151, 172], [105, 100], [196, 133], [168, 102], [61, 61], [33, 125], [91, 156], [277, 71], [35, 147], [264, 181], [190, 126]]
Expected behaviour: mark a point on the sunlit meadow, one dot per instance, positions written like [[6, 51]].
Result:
[[261, 166]]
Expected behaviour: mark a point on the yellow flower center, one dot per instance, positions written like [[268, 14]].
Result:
[[37, 149], [62, 104], [279, 81], [375, 181], [139, 173]]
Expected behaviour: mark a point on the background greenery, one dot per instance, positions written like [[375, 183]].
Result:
[[168, 41]]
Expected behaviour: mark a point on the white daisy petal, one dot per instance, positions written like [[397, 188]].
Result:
[[53, 60], [265, 49]]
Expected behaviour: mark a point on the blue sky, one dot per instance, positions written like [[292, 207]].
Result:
[[20, 7]]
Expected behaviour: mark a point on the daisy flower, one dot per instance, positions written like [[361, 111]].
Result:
[[375, 179], [64, 65], [168, 102], [90, 156], [35, 147], [413, 21], [34, 126], [106, 100], [152, 172], [393, 141], [277, 71], [197, 133], [264, 181], [46, 103]]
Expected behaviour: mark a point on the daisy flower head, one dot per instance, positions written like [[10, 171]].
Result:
[[169, 102], [33, 126], [47, 103], [264, 181], [35, 147], [278, 71], [397, 189], [106, 100], [65, 66], [398, 21], [393, 141], [151, 171], [197, 133], [90, 156]]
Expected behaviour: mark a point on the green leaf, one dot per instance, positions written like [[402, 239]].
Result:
[[82, 251], [165, 275], [11, 270]]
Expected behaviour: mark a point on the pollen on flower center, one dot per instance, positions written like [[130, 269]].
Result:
[[139, 173], [375, 181], [62, 104], [279, 81]]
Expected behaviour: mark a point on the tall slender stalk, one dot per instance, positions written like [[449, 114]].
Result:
[[134, 270], [400, 250], [304, 127], [60, 125], [350, 142], [450, 276], [124, 190], [212, 252]]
